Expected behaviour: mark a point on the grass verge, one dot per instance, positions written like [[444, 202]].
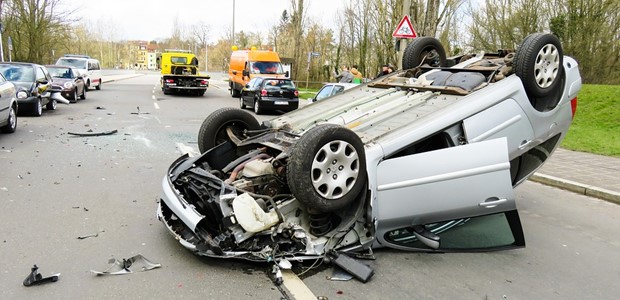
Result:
[[596, 127]]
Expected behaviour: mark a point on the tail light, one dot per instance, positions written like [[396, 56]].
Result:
[[263, 92], [169, 80], [204, 82], [573, 106], [296, 93]]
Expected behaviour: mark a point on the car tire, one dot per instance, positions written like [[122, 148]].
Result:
[[241, 103], [234, 92], [11, 122], [83, 96], [213, 129], [37, 109], [310, 175], [74, 97], [417, 53], [51, 105], [257, 107], [538, 63], [98, 87]]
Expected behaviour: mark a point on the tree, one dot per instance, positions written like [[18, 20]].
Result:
[[36, 27]]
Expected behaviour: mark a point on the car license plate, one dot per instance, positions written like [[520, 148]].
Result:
[[281, 103]]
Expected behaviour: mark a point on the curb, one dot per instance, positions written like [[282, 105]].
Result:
[[576, 187], [119, 77]]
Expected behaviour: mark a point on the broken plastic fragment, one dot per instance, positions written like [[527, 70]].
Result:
[[35, 278], [94, 133], [138, 263]]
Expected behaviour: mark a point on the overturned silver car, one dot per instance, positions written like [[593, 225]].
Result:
[[424, 159]]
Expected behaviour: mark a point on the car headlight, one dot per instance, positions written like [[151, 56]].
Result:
[[68, 85], [22, 94]]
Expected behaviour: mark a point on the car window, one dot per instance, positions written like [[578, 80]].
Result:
[[73, 62], [324, 92], [2, 79], [484, 232], [279, 84], [178, 60], [41, 74], [266, 67], [60, 72], [257, 83], [252, 82], [17, 73], [337, 90]]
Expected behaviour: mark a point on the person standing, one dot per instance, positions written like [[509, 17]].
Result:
[[345, 76], [357, 75]]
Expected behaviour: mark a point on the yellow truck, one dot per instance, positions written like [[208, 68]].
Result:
[[179, 73]]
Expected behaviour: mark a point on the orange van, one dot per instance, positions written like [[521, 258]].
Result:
[[247, 64]]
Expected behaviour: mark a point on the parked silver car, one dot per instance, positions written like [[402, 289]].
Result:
[[8, 106], [423, 159]]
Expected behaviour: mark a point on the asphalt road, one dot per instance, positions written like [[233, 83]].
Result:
[[55, 187]]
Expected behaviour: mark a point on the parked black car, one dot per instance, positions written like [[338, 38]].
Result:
[[270, 94], [33, 86], [68, 81]]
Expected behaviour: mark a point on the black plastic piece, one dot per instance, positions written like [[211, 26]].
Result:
[[34, 278], [354, 267]]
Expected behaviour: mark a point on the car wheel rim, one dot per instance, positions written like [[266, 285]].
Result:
[[39, 108], [241, 102], [335, 169], [12, 119], [256, 106], [547, 66]]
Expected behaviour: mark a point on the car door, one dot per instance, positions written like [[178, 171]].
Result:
[[247, 90], [456, 198], [6, 89]]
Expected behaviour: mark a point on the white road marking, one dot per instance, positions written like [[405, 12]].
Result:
[[297, 287], [156, 105], [187, 149]]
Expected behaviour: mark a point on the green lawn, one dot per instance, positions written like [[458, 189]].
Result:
[[596, 127], [307, 93]]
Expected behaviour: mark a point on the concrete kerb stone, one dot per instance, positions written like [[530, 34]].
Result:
[[576, 187], [111, 78]]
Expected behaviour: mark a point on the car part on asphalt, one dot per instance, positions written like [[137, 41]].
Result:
[[137, 263], [92, 133], [34, 278]]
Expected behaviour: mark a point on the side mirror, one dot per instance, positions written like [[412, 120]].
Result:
[[286, 74], [246, 73]]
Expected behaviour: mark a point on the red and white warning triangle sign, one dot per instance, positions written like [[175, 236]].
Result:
[[404, 29]]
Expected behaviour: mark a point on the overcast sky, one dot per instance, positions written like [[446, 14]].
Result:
[[151, 20]]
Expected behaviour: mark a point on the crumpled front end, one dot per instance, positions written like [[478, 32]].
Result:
[[233, 202]]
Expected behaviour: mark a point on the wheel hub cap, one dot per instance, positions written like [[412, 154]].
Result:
[[547, 66], [335, 169]]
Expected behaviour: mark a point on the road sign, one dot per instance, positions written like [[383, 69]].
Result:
[[404, 29]]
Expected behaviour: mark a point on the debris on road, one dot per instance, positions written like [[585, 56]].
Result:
[[139, 113], [92, 133], [138, 262], [34, 278], [82, 237]]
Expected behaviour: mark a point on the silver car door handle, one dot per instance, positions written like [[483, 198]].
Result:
[[524, 144], [492, 202]]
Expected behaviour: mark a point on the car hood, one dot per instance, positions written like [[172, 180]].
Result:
[[24, 85]]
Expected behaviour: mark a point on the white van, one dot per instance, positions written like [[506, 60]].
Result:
[[87, 66]]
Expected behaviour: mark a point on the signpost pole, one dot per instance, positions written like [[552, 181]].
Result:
[[403, 41]]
